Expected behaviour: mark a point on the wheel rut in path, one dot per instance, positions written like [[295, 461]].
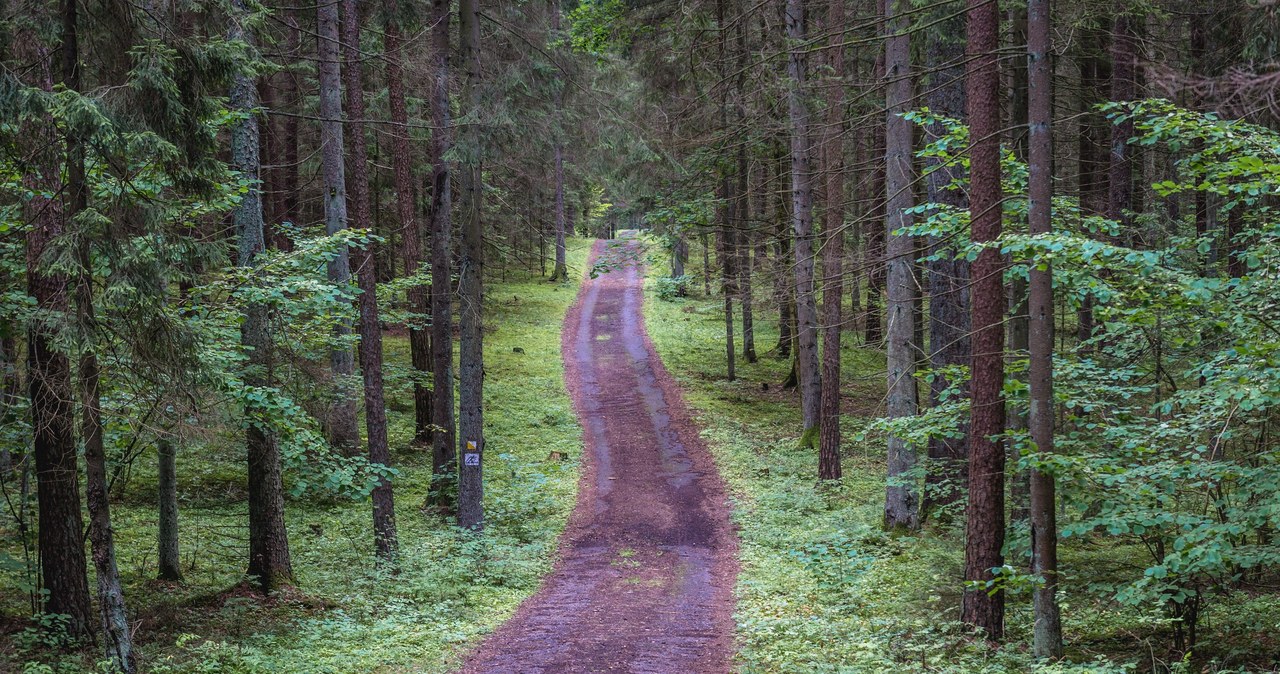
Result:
[[648, 561]]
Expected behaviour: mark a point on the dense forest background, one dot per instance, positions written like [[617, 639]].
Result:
[[974, 299]]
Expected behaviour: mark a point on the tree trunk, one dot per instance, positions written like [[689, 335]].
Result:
[[874, 249], [470, 287], [948, 277], [901, 505], [560, 272], [118, 639], [802, 223], [386, 545], [725, 214], [443, 468], [1124, 59], [167, 556], [832, 251], [60, 537], [782, 288], [1047, 641], [411, 236], [269, 564], [341, 422], [1094, 73], [291, 184], [984, 527], [1018, 321]]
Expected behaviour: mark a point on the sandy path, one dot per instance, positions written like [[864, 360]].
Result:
[[648, 560]]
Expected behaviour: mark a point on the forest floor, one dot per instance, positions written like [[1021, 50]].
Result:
[[345, 616], [647, 567]]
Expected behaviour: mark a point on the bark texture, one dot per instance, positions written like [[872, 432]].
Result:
[[832, 252], [901, 505], [443, 468], [411, 249], [1047, 630], [341, 423], [948, 276], [984, 520], [802, 223], [385, 542], [168, 559], [470, 288], [270, 566]]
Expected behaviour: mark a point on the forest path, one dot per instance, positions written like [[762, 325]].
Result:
[[648, 561]]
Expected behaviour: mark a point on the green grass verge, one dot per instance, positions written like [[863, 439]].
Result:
[[346, 617]]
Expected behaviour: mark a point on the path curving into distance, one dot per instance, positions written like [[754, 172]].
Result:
[[648, 561]]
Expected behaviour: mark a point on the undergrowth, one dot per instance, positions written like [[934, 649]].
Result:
[[822, 588], [345, 616]]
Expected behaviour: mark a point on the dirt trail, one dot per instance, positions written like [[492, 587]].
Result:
[[649, 557]]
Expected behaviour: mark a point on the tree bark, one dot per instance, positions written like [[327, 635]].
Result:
[[341, 422], [1047, 630], [411, 236], [386, 545], [802, 223], [269, 562], [560, 272], [167, 550], [984, 521], [470, 286], [60, 537], [111, 606], [874, 249], [832, 250], [901, 505], [948, 277], [443, 468]]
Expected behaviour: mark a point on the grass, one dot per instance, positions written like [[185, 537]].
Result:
[[345, 616], [822, 588]]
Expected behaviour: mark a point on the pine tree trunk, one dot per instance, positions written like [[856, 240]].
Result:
[[341, 424], [1018, 320], [1047, 630], [874, 250], [560, 272], [901, 506], [60, 537], [443, 462], [985, 519], [168, 559], [948, 277], [118, 639], [832, 250], [269, 562], [470, 287], [386, 544], [411, 236], [291, 183], [802, 224]]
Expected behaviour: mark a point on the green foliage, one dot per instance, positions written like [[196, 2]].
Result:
[[672, 288]]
